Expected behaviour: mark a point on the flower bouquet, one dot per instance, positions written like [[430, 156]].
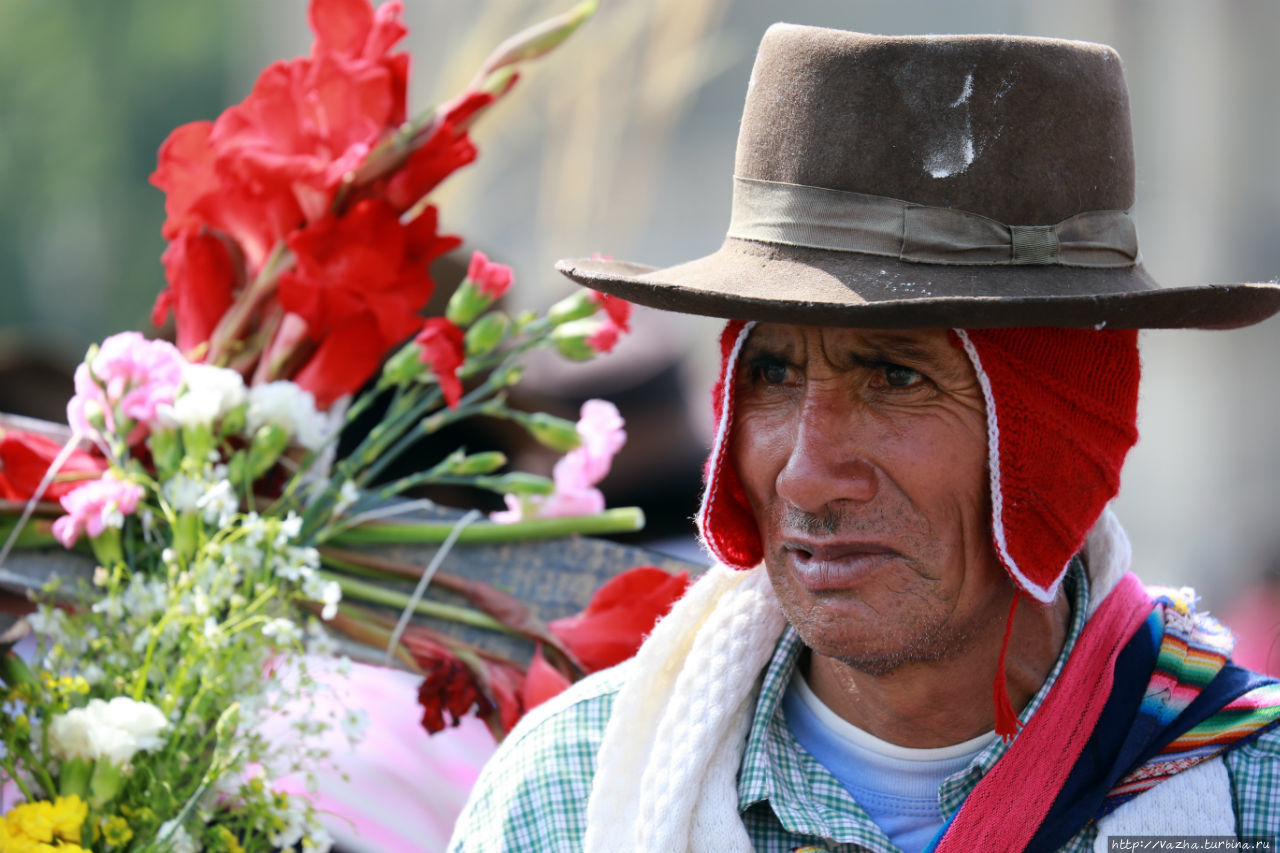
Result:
[[230, 522]]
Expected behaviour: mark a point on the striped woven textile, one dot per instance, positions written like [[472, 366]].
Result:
[[1192, 661]]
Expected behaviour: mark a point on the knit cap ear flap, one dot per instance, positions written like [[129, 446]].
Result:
[[725, 520], [1062, 410]]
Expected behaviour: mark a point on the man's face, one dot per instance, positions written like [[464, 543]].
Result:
[[863, 456]]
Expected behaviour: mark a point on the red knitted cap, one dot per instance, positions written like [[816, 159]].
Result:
[[1062, 413], [1061, 416], [725, 520]]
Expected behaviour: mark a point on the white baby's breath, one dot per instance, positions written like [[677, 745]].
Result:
[[347, 495], [284, 629], [219, 504]]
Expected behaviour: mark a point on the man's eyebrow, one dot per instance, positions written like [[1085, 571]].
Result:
[[755, 348], [879, 350]]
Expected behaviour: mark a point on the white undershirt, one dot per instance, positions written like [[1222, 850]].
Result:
[[897, 785]]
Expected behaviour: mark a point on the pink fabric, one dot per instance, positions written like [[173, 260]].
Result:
[[1254, 619], [1058, 731], [404, 789]]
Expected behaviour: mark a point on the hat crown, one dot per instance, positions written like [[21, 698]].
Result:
[[1026, 131]]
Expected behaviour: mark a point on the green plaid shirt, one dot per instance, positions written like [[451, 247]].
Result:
[[532, 795]]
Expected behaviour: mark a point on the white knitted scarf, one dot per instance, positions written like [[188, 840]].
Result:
[[666, 775]]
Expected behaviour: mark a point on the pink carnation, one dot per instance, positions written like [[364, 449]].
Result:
[[578, 471], [490, 278], [94, 507], [129, 377]]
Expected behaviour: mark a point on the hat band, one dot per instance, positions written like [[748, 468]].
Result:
[[819, 218]]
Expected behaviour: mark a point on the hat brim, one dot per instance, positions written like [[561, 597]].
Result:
[[752, 280]]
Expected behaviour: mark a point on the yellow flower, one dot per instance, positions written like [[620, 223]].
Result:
[[69, 814], [34, 826], [116, 830], [33, 821]]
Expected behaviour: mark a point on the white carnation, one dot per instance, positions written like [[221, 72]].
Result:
[[209, 394], [289, 407], [114, 730]]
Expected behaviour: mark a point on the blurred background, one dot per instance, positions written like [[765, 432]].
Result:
[[622, 143]]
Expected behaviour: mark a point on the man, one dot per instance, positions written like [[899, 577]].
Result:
[[921, 632]]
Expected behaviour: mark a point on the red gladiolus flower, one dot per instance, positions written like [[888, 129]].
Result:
[[541, 682], [202, 283], [310, 121], [275, 160], [25, 457], [443, 349], [255, 216], [620, 615], [358, 283], [454, 687], [448, 149], [503, 709], [449, 687]]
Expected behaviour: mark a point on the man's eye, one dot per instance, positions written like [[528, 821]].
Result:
[[769, 371], [773, 374], [897, 376]]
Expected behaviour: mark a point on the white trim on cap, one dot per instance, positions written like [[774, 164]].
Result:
[[1039, 593], [718, 448]]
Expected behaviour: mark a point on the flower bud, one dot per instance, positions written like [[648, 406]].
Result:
[[466, 303], [95, 416], [573, 307], [487, 333], [557, 433], [405, 366], [573, 339], [269, 441], [478, 463], [518, 483]]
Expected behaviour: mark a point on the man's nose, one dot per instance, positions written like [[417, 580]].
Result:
[[827, 464]]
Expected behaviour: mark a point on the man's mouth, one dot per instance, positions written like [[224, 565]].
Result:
[[822, 566]]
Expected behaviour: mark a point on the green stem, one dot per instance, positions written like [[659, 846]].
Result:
[[12, 769], [422, 429], [375, 594], [617, 520], [232, 324]]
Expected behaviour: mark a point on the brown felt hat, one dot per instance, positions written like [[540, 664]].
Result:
[[931, 181]]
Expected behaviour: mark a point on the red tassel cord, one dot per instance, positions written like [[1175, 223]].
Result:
[[1007, 723]]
